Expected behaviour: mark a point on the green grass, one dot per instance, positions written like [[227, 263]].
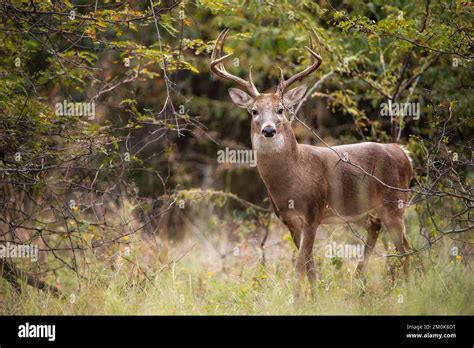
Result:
[[242, 286]]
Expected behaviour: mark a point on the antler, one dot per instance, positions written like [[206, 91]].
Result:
[[284, 84], [217, 66]]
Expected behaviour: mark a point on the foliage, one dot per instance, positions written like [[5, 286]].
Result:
[[82, 186]]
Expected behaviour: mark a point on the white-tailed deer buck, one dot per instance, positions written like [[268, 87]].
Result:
[[364, 183]]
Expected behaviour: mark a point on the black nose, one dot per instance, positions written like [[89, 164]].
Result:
[[268, 131]]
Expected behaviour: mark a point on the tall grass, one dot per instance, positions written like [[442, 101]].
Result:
[[204, 282]]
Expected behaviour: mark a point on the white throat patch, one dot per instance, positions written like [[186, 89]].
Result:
[[268, 145]]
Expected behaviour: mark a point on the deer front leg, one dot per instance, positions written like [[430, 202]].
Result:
[[305, 262], [394, 223]]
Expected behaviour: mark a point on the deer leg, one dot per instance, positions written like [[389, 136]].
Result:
[[305, 261], [373, 226], [310, 266], [311, 272], [295, 235], [396, 229]]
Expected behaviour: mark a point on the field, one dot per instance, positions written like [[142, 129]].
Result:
[[215, 276]]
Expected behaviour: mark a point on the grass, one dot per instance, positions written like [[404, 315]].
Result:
[[201, 284]]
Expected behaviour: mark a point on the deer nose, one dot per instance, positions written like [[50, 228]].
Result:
[[268, 131]]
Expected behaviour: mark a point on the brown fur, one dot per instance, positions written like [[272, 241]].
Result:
[[311, 185]]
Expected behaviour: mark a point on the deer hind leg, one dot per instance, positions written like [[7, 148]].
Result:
[[394, 223], [373, 226]]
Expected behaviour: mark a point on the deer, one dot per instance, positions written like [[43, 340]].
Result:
[[366, 183]]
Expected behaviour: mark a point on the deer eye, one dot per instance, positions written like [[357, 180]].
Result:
[[280, 111], [254, 112]]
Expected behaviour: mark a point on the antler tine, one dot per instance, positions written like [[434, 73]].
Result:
[[312, 48], [315, 62], [213, 54], [280, 80], [216, 51], [319, 41], [221, 47], [217, 66], [252, 86]]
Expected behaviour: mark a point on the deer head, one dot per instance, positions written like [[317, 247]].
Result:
[[269, 111]]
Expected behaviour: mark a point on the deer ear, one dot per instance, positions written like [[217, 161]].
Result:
[[294, 96], [240, 98]]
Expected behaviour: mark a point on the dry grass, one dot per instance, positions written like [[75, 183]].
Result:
[[204, 282]]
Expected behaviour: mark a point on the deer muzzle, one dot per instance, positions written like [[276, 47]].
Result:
[[268, 131]]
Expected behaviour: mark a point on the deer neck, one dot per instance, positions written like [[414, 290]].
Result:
[[276, 157]]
